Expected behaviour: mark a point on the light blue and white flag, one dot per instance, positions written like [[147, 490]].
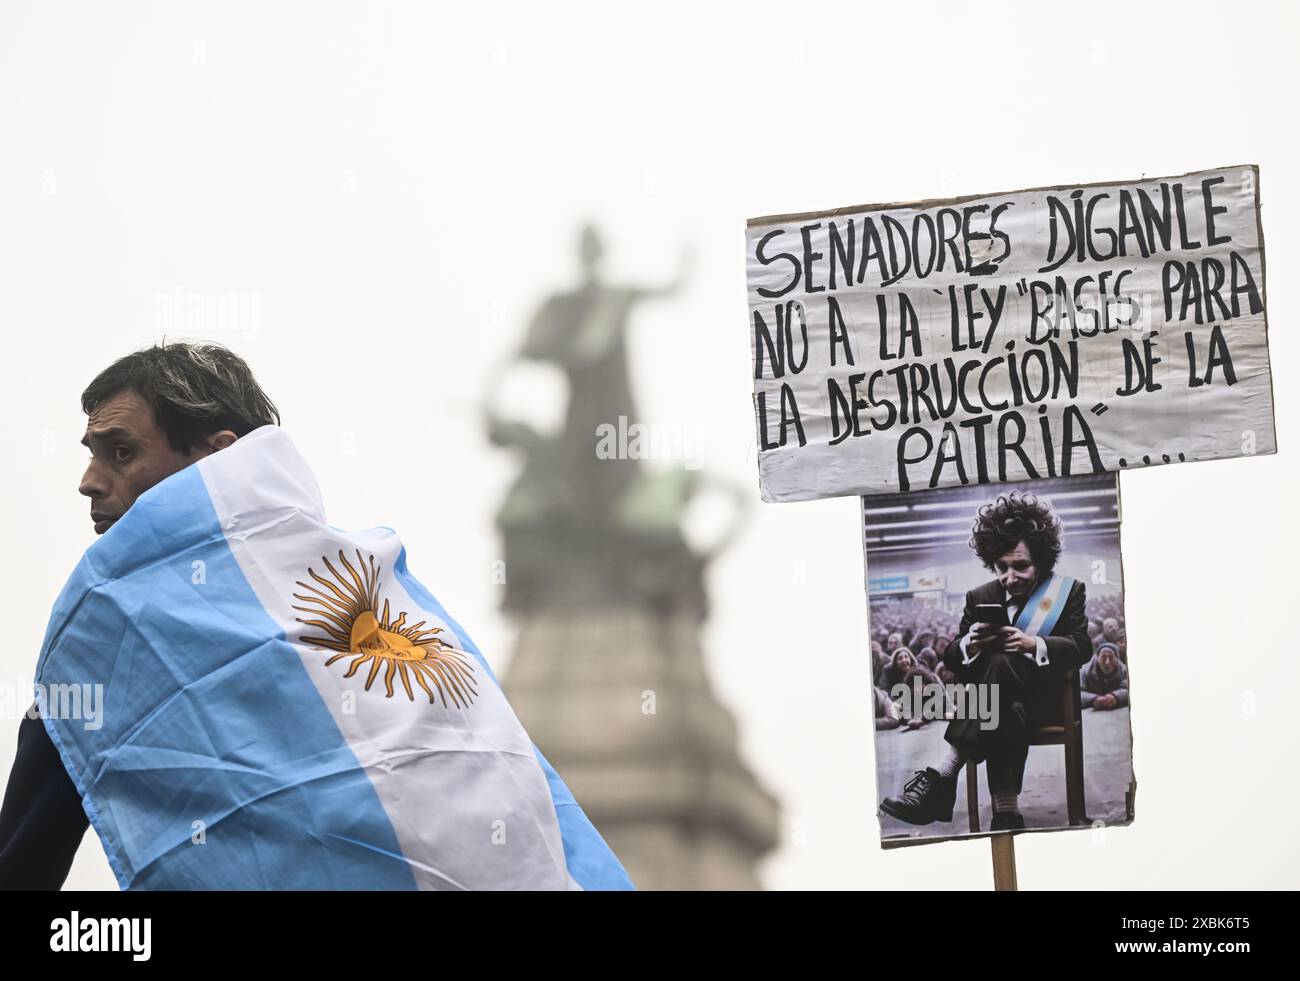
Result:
[[286, 707], [1044, 606]]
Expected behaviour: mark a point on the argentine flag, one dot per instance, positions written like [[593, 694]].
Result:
[[284, 706]]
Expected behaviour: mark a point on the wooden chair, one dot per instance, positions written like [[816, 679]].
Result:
[[1067, 731]]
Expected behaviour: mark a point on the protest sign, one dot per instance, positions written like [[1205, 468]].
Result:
[[1032, 334]]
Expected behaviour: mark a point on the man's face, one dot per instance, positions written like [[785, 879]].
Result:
[[1016, 571], [1107, 661], [129, 454], [1110, 627]]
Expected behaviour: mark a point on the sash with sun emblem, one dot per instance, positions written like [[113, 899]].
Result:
[[347, 607], [1044, 606]]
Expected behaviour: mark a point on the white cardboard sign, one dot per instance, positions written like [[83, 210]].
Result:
[[1036, 333]]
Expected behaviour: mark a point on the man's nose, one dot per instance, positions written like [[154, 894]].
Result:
[[92, 485]]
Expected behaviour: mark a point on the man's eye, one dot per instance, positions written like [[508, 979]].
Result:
[[121, 454]]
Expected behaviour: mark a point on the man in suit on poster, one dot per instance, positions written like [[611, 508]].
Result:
[[1022, 659]]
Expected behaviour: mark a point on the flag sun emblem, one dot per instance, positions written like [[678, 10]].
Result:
[[353, 625]]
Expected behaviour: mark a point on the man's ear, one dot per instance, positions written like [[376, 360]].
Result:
[[212, 442]]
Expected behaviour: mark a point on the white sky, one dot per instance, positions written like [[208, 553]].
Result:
[[396, 186]]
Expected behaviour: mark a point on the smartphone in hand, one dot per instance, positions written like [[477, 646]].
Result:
[[994, 614]]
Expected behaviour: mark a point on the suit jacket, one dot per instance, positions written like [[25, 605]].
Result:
[[1068, 645]]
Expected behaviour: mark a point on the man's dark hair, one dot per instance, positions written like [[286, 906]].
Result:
[[193, 389], [1015, 518]]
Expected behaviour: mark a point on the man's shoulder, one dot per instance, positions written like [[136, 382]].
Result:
[[1075, 602], [1077, 589], [989, 592]]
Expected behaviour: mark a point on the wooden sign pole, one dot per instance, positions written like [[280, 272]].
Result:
[[1004, 863]]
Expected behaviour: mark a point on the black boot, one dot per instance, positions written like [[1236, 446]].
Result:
[[927, 797], [1007, 822]]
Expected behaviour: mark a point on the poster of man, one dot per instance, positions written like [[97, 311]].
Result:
[[999, 661]]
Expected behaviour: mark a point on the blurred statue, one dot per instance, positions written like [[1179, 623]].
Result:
[[609, 596], [623, 520]]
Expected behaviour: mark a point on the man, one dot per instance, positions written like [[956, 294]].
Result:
[[1018, 538], [1111, 630], [150, 415], [213, 612], [1103, 681]]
